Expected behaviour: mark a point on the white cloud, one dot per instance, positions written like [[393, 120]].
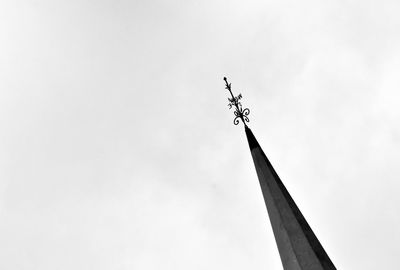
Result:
[[117, 149]]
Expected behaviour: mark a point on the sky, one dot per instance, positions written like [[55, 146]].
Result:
[[118, 149]]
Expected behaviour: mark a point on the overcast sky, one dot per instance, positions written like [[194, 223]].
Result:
[[117, 148]]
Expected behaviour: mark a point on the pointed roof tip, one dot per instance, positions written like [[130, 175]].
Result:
[[296, 241], [250, 138]]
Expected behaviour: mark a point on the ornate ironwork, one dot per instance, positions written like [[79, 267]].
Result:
[[239, 112]]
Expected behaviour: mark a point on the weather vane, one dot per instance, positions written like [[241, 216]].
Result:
[[239, 112]]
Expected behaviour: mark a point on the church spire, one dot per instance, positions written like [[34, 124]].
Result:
[[298, 246]]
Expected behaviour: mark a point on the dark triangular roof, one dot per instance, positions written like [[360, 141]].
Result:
[[298, 246]]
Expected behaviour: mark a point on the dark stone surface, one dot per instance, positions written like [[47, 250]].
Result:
[[298, 246], [251, 139]]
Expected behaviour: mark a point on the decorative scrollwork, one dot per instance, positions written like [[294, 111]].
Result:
[[239, 112]]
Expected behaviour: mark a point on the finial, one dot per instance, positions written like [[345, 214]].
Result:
[[234, 101]]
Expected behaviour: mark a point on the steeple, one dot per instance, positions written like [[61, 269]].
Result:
[[298, 246]]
